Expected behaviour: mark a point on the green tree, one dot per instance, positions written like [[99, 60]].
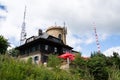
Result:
[[79, 64], [54, 61], [97, 67], [79, 67], [116, 59], [13, 52], [3, 45]]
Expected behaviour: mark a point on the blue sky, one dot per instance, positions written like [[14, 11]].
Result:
[[110, 42], [2, 7], [79, 16]]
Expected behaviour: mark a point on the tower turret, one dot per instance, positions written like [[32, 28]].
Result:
[[58, 32]]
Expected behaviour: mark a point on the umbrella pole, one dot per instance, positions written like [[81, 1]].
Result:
[[68, 62]]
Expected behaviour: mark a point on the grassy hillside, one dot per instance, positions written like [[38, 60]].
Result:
[[13, 69], [97, 67]]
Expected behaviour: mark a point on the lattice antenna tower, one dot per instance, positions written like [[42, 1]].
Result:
[[97, 40], [23, 31], [65, 28]]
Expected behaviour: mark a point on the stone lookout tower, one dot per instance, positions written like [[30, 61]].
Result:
[[58, 32]]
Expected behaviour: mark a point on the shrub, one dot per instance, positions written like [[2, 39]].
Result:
[[97, 67], [13, 69], [54, 61]]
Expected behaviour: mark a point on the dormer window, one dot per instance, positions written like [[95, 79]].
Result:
[[60, 36], [46, 47], [55, 49]]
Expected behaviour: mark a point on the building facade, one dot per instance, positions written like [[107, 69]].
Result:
[[40, 47]]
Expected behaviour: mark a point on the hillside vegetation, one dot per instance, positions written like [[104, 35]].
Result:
[[13, 69], [97, 67]]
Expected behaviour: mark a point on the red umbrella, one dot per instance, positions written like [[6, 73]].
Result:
[[67, 55]]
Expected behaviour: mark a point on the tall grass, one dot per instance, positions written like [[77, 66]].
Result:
[[13, 69], [114, 73]]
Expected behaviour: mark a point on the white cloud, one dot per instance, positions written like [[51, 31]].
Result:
[[9, 30], [90, 40], [110, 51], [3, 13], [103, 36], [74, 41], [10, 47], [78, 14]]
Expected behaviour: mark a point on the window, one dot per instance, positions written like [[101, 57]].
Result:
[[44, 58], [64, 50], [36, 47], [26, 51], [46, 47], [33, 49], [60, 36], [36, 58], [55, 49], [22, 52]]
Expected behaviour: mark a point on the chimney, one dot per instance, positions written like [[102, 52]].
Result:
[[39, 32]]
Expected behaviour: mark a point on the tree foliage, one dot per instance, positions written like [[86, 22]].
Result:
[[114, 60], [54, 61], [3, 44], [97, 67], [80, 64], [13, 52]]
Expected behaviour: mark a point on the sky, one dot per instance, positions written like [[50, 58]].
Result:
[[79, 16]]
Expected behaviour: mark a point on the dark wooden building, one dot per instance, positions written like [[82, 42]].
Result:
[[39, 47]]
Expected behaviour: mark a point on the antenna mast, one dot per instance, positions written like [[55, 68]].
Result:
[[23, 32], [96, 36], [65, 28]]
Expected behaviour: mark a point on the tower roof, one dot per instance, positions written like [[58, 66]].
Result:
[[54, 27]]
